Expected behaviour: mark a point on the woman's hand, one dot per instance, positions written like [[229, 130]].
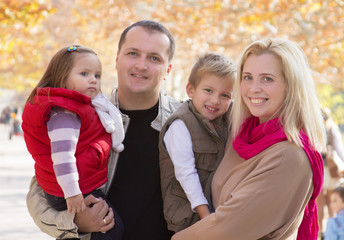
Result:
[[94, 219]]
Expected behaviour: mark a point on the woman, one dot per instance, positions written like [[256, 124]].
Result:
[[272, 172]]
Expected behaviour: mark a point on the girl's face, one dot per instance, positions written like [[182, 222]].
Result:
[[85, 74], [337, 203], [263, 87]]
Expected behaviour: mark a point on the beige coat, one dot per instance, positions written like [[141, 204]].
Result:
[[261, 198]]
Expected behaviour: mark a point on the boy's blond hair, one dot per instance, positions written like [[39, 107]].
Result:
[[212, 63]]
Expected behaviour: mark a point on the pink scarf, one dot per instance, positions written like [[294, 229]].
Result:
[[255, 137]]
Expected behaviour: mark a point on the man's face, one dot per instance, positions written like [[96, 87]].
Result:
[[142, 63]]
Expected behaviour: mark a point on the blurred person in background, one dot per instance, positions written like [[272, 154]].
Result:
[[335, 225], [334, 165]]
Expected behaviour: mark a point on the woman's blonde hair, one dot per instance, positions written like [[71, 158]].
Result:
[[301, 108], [212, 63]]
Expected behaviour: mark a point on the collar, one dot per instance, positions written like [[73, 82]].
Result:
[[340, 212]]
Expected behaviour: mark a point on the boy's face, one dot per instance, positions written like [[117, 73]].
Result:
[[212, 96], [337, 203]]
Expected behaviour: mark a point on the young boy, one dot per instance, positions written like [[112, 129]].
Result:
[[192, 142], [335, 225]]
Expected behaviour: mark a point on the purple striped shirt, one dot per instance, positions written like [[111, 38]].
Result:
[[63, 130]]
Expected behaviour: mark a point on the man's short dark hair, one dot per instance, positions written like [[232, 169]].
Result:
[[150, 26]]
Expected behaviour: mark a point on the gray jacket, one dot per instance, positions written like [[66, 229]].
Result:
[[60, 224]]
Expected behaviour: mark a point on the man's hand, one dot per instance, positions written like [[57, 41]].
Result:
[[94, 219]]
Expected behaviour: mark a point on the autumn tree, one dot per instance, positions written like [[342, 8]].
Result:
[[21, 40], [224, 26]]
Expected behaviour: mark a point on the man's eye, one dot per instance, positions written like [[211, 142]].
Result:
[[156, 59]]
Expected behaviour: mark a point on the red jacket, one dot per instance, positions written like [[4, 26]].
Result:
[[92, 150]]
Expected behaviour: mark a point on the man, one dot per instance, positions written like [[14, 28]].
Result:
[[144, 56]]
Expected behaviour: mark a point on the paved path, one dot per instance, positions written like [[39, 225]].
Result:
[[16, 170]]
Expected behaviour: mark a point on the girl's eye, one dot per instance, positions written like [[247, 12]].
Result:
[[84, 74], [97, 76]]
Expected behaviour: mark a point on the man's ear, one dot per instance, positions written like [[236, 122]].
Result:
[[190, 89], [169, 69]]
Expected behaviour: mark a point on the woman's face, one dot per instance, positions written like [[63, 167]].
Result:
[[263, 88]]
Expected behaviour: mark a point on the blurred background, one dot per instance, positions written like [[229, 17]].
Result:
[[31, 31]]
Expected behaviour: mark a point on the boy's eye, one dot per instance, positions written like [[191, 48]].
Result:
[[84, 74], [132, 53], [98, 76], [228, 96]]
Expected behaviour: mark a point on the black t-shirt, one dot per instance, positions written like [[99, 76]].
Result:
[[135, 192]]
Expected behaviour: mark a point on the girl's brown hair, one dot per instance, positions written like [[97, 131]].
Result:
[[59, 68]]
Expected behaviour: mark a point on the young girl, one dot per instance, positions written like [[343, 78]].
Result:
[[335, 225], [68, 140]]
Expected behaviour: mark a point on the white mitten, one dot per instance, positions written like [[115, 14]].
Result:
[[111, 119]]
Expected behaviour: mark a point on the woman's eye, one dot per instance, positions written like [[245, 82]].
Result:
[[247, 77]]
